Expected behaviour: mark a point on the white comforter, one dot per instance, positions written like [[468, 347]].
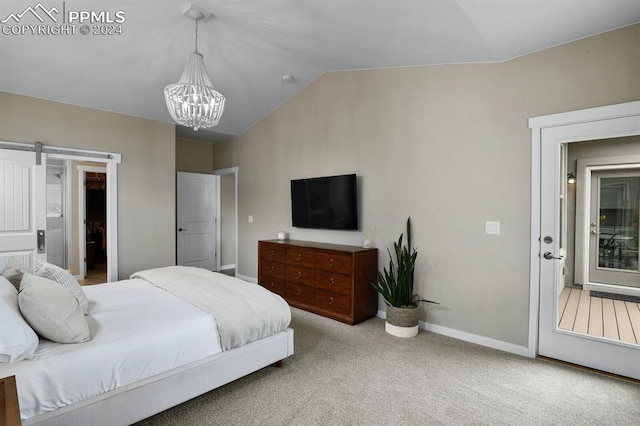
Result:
[[243, 311], [138, 331]]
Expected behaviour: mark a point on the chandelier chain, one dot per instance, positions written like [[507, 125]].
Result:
[[197, 19]]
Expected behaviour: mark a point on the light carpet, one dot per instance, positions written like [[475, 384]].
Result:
[[360, 375]]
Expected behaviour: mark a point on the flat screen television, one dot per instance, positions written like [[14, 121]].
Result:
[[329, 202]]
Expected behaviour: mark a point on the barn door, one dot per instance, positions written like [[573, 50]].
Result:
[[23, 214]]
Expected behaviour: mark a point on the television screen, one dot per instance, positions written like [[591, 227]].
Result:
[[325, 202]]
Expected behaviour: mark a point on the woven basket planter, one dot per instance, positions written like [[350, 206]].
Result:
[[402, 322]]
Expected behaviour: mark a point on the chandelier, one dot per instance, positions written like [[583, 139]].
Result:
[[192, 101]]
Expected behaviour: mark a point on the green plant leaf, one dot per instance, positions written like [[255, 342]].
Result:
[[396, 283]]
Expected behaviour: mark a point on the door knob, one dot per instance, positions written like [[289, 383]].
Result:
[[548, 255], [181, 229]]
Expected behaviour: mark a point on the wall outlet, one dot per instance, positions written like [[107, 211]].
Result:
[[492, 228]]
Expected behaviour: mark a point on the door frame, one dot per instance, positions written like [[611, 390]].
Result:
[[111, 161], [219, 172], [537, 125]]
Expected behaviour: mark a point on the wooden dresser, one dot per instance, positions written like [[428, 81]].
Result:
[[327, 279]]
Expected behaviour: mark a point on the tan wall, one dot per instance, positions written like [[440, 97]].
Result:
[[146, 177], [194, 156], [447, 145]]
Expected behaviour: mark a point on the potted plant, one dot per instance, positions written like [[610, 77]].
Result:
[[396, 286]]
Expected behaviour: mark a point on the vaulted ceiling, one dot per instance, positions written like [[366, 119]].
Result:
[[248, 45]]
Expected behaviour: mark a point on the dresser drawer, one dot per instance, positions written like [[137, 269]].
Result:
[[300, 293], [301, 257], [298, 275], [333, 282], [274, 252], [273, 284], [273, 269], [335, 302], [333, 262]]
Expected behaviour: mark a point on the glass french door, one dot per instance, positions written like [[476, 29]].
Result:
[[601, 353], [614, 226]]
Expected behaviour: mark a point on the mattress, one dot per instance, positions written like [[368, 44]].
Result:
[[138, 331]]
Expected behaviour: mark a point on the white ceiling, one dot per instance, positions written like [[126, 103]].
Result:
[[249, 44]]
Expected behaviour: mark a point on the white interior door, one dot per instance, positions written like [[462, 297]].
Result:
[[23, 216], [196, 217], [583, 349]]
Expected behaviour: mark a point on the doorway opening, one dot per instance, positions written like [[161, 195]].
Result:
[[227, 243], [96, 227], [58, 215], [601, 292], [92, 223], [28, 241]]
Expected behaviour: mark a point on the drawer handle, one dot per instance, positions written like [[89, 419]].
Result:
[[272, 284], [331, 300], [299, 257], [273, 268], [298, 292], [332, 281], [332, 262], [273, 253], [299, 274]]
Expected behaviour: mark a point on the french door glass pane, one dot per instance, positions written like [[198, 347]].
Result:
[[618, 215]]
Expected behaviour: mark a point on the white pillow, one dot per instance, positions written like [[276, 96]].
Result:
[[14, 270], [17, 339], [7, 290], [52, 310], [64, 278]]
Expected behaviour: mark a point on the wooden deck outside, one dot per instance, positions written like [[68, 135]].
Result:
[[613, 319]]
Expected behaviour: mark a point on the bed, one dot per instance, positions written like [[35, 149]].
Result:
[[158, 339]]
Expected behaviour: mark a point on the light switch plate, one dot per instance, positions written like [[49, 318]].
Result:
[[492, 228], [250, 219]]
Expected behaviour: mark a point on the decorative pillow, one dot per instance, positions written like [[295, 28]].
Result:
[[17, 339], [64, 278], [52, 310], [14, 270], [7, 291]]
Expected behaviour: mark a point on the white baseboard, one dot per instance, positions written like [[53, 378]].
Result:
[[231, 266], [472, 338], [247, 278]]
